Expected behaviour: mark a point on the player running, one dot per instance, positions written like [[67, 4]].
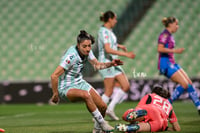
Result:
[[151, 114], [108, 50], [67, 81], [167, 65]]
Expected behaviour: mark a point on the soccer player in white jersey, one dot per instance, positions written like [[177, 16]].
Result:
[[67, 81], [108, 50]]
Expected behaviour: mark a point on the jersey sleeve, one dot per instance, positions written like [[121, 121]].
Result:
[[162, 39], [67, 61], [143, 100], [91, 56], [173, 117], [105, 37]]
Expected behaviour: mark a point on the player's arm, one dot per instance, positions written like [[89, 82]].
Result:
[[175, 127], [100, 65], [54, 83], [109, 50], [161, 48], [174, 122], [122, 47]]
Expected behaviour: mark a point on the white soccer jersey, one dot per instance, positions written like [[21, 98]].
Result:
[[106, 36], [73, 65]]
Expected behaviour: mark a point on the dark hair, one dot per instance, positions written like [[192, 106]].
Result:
[[168, 20], [84, 36], [159, 90], [105, 16]]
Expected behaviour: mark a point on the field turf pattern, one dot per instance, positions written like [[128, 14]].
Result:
[[74, 117]]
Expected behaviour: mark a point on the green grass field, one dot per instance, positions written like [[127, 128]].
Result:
[[74, 118]]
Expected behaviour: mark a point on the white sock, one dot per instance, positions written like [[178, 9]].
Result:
[[96, 125], [97, 116], [118, 98], [105, 98]]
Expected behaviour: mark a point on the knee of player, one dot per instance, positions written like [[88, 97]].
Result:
[[85, 95], [185, 85], [125, 88]]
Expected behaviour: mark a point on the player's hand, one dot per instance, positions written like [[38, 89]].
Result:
[[55, 98], [179, 50], [117, 62], [130, 55]]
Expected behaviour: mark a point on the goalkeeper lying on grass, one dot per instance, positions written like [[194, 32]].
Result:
[[151, 114]]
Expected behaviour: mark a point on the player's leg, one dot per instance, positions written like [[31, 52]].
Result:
[[179, 78], [156, 119], [118, 98], [109, 80], [109, 85], [108, 89], [101, 106], [77, 94], [140, 127], [185, 84], [127, 127], [123, 81], [186, 76], [125, 86], [82, 95], [144, 127], [133, 115], [154, 123], [191, 91], [152, 126], [175, 74]]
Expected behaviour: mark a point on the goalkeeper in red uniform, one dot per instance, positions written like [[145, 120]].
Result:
[[151, 114]]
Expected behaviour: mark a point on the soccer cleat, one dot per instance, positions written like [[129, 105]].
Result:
[[127, 128], [136, 114], [106, 127], [97, 127], [112, 115]]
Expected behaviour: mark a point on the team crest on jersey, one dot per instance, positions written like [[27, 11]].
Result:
[[70, 57], [67, 61]]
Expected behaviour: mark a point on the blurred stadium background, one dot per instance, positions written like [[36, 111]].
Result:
[[35, 33]]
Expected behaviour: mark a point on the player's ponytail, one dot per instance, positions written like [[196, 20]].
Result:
[[164, 21], [168, 20], [104, 17], [84, 36]]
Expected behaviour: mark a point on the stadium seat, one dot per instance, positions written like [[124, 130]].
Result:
[[143, 38], [35, 33]]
